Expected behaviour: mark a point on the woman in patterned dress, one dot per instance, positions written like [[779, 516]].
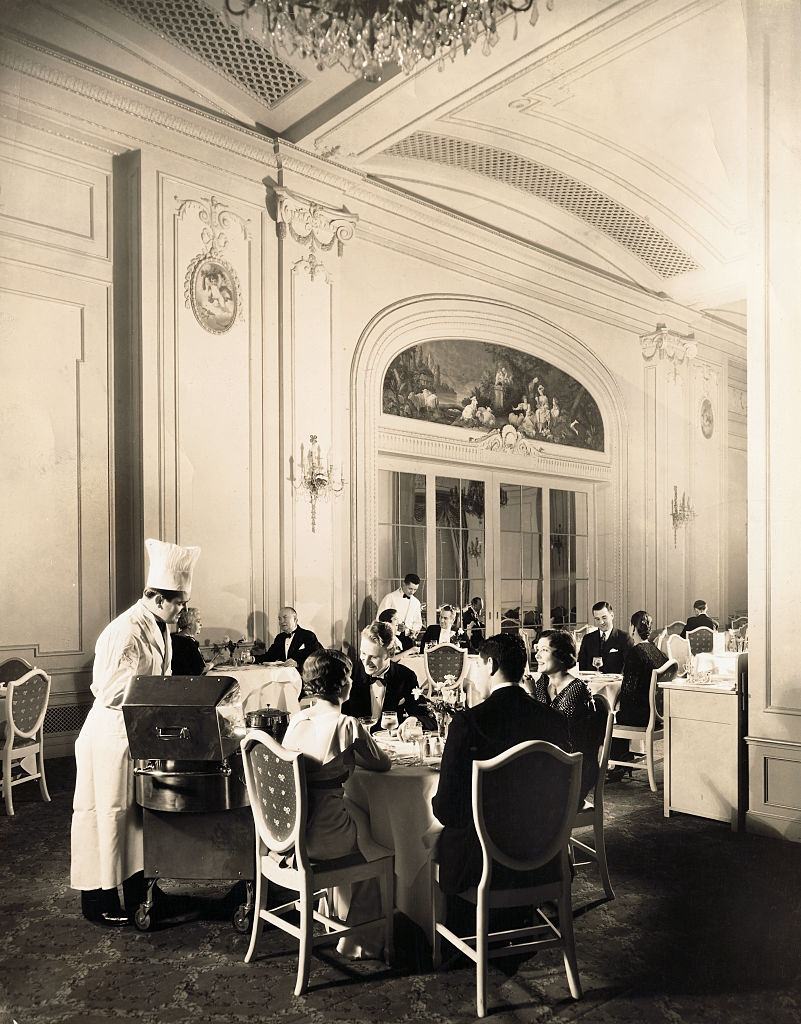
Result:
[[557, 687]]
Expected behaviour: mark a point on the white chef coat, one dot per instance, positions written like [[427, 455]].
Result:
[[106, 821], [409, 609]]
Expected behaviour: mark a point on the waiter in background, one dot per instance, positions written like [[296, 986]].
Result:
[[106, 821], [409, 609]]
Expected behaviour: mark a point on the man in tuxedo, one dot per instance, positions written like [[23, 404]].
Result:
[[293, 644], [445, 632], [605, 642], [408, 607], [507, 716], [380, 684], [473, 623], [699, 619]]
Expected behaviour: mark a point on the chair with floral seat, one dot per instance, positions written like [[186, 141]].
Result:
[[21, 729], [276, 784], [701, 640], [441, 661]]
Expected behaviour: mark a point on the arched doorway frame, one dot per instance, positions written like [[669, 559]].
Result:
[[447, 316]]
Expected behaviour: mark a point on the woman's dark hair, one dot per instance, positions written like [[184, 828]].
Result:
[[563, 646], [325, 674], [388, 615], [642, 623], [188, 615]]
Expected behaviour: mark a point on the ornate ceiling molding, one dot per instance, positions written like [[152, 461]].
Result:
[[118, 95]]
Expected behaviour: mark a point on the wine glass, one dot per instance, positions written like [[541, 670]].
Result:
[[597, 663], [368, 721], [389, 721]]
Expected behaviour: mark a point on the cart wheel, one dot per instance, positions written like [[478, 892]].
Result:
[[142, 919], [242, 920]]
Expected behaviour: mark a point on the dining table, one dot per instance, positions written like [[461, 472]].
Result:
[[605, 684], [261, 686], [398, 803]]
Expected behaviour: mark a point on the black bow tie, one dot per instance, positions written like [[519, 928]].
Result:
[[406, 597]]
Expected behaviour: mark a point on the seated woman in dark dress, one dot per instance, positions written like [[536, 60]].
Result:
[[570, 696], [186, 657], [634, 708]]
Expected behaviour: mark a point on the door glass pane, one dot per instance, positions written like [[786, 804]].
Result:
[[531, 509], [387, 550], [401, 531], [511, 552], [582, 602], [510, 507], [473, 504], [411, 507], [460, 541], [581, 514], [521, 556], [532, 556], [569, 557], [532, 604]]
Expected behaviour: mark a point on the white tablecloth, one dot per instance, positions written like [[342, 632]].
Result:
[[399, 805], [607, 684], [718, 664], [472, 682], [278, 686]]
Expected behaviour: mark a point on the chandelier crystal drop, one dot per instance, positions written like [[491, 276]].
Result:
[[366, 36]]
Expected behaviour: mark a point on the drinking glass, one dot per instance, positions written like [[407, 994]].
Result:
[[389, 721], [597, 663], [368, 721]]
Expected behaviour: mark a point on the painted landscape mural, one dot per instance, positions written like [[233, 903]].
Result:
[[482, 386]]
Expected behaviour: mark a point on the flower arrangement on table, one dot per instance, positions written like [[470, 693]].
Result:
[[230, 652], [444, 702]]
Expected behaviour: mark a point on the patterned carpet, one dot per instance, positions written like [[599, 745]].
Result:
[[705, 928]]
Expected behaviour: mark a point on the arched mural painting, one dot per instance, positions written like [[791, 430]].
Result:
[[480, 386]]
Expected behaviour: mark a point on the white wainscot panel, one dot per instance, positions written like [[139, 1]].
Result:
[[40, 346], [53, 201]]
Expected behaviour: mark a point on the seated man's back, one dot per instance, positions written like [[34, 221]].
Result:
[[507, 717]]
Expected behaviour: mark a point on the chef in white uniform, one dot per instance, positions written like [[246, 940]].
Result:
[[106, 821]]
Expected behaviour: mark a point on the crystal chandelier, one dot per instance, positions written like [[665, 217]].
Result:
[[365, 35]]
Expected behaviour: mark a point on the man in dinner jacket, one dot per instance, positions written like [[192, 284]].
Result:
[[700, 618], [508, 716], [606, 642], [380, 685], [293, 644]]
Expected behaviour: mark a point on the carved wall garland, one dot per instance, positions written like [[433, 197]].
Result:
[[311, 223], [211, 285]]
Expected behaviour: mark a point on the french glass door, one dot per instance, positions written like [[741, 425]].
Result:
[[520, 544]]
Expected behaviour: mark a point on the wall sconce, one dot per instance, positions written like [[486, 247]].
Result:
[[680, 512], [474, 549], [316, 479]]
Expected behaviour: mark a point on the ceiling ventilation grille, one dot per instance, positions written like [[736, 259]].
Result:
[[204, 34], [604, 214]]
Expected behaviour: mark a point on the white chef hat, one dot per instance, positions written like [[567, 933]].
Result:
[[171, 566]]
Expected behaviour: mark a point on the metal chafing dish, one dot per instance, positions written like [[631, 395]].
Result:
[[184, 734]]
